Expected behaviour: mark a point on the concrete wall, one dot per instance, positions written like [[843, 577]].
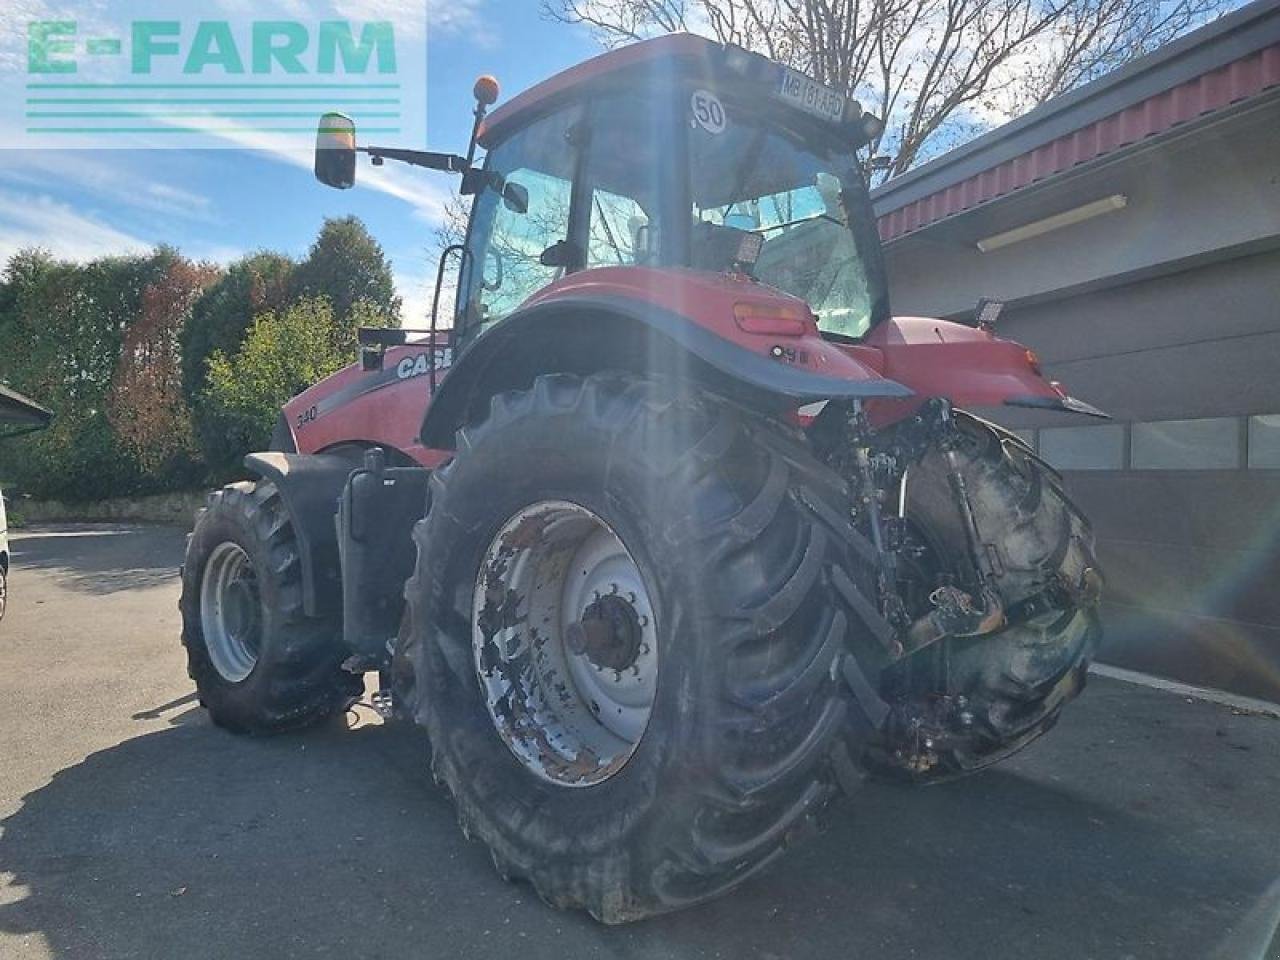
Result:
[[176, 509], [1168, 310], [1192, 556]]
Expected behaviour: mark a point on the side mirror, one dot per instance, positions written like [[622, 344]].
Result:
[[515, 197], [336, 151]]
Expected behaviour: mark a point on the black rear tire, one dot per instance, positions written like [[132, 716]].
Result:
[[737, 759], [297, 679]]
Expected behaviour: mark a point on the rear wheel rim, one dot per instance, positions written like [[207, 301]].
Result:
[[231, 612], [565, 643]]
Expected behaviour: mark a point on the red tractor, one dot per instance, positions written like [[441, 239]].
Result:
[[676, 531]]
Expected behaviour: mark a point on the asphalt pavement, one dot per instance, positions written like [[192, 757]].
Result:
[[1146, 825]]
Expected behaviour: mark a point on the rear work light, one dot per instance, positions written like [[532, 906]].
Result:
[[780, 320]]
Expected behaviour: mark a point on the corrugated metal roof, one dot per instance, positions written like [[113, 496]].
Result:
[[1159, 112]]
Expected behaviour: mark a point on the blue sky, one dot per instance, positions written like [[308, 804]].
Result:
[[219, 204]]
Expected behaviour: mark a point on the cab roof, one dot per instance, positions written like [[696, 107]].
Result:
[[531, 101]]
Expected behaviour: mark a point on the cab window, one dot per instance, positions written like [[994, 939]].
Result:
[[508, 243], [621, 233], [625, 170]]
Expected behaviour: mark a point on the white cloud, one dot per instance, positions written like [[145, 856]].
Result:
[[38, 220], [426, 192], [453, 16], [415, 290], [107, 179], [410, 17], [220, 253], [175, 199]]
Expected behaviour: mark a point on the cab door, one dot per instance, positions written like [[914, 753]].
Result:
[[514, 253]]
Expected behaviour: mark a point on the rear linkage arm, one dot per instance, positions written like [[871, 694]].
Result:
[[873, 464]]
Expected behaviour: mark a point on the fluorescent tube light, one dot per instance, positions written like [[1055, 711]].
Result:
[[1117, 201]]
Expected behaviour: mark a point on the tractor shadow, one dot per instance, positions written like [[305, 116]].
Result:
[[190, 842], [99, 558]]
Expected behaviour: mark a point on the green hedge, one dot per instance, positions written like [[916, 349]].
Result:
[[162, 372]]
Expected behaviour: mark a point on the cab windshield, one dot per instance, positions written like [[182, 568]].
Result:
[[804, 197]]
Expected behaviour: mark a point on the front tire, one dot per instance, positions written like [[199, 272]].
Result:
[[733, 760], [1014, 682], [260, 664]]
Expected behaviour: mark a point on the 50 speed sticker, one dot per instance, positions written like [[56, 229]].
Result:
[[708, 111]]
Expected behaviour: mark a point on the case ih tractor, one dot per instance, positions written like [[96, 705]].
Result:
[[676, 531]]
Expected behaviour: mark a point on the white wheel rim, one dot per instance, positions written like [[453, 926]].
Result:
[[231, 612], [558, 577]]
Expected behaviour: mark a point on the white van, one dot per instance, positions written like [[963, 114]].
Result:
[[18, 415]]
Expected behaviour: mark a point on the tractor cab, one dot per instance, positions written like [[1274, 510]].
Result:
[[694, 156], [678, 153]]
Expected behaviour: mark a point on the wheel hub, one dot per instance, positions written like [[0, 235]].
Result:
[[565, 643], [242, 609], [231, 612], [609, 633]]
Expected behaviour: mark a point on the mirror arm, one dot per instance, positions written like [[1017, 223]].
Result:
[[474, 179], [448, 162]]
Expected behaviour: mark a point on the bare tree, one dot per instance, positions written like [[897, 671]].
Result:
[[451, 230], [936, 70]]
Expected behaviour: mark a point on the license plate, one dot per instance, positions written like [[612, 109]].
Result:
[[809, 95]]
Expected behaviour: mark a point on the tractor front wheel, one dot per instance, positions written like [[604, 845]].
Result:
[[260, 664], [623, 644], [1008, 686]]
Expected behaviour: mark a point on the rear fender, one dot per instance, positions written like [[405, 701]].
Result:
[[310, 485], [595, 326], [971, 367]]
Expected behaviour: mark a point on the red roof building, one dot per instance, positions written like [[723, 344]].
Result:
[[1133, 227]]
